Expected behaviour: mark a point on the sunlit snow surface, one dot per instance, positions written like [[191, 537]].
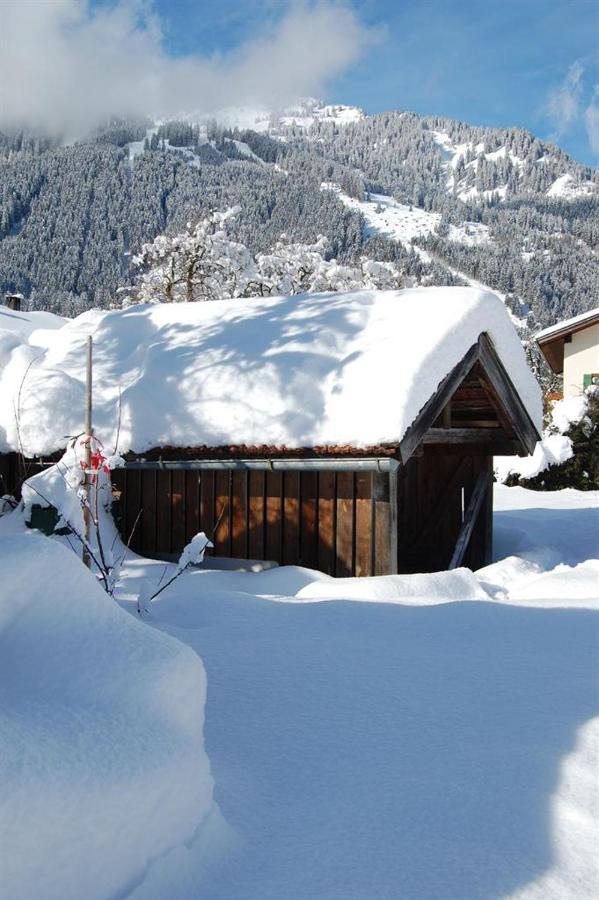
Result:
[[285, 371], [423, 747], [103, 767], [438, 740]]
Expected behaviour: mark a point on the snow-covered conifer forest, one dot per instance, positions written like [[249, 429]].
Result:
[[441, 200]]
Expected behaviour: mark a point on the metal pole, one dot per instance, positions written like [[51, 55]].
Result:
[[87, 458]]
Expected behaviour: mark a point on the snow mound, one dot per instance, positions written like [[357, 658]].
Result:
[[411, 590], [569, 585], [553, 450], [26, 323], [286, 371], [101, 718]]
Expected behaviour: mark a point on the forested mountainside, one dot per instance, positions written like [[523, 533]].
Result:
[[445, 200]]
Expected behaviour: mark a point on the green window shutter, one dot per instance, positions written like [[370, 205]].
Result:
[[590, 378]]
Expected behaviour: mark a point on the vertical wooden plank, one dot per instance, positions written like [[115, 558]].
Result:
[[148, 516], [488, 515], [238, 515], [326, 522], [256, 515], [124, 505], [393, 524], [178, 510], [133, 505], [410, 514], [246, 524], [440, 463], [309, 525], [222, 509], [382, 524], [229, 512], [207, 505], [192, 504], [206, 487], [291, 510], [344, 538], [274, 516], [480, 548], [118, 497], [163, 507]]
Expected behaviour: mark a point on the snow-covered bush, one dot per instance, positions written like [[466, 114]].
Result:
[[568, 454], [61, 487], [205, 263], [192, 555]]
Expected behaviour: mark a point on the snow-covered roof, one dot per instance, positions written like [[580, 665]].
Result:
[[317, 369], [567, 325], [24, 323]]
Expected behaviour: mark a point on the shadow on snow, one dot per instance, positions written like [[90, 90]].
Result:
[[365, 750]]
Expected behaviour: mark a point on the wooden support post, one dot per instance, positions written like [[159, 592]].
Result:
[[393, 524], [87, 517], [470, 518]]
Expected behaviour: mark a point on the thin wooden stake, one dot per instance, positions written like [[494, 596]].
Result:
[[87, 516]]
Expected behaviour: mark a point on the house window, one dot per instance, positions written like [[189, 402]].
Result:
[[590, 379]]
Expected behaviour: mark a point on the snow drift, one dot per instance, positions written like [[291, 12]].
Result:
[[283, 371], [101, 718]]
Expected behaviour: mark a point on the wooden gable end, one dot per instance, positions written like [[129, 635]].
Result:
[[476, 404]]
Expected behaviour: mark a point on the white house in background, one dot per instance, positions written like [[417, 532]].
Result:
[[572, 347]]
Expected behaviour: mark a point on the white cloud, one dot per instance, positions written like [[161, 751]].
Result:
[[64, 66], [591, 120], [563, 103]]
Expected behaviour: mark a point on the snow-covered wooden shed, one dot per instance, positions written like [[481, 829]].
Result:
[[352, 433]]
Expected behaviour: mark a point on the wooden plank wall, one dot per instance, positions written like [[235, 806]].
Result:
[[337, 522], [434, 492], [12, 473]]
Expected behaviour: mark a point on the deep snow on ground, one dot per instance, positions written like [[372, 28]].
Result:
[[102, 766], [413, 749], [438, 741]]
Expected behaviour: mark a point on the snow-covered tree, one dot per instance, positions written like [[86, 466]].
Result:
[[205, 263], [201, 263]]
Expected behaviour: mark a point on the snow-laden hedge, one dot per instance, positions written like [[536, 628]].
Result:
[[568, 454], [101, 718]]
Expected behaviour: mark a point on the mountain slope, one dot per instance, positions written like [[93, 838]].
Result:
[[499, 206]]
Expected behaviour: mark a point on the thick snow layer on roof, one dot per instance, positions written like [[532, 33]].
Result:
[[567, 323], [348, 368]]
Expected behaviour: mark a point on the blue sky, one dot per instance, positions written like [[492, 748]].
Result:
[[491, 62], [68, 64]]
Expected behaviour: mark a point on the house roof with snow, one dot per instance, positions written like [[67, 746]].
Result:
[[348, 369], [551, 340]]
